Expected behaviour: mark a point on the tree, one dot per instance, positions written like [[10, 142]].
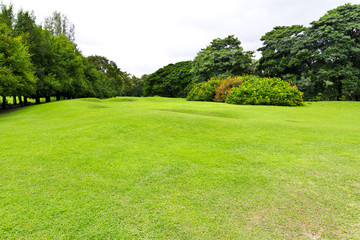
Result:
[[134, 86], [169, 81], [222, 58], [59, 24], [16, 75], [323, 60], [37, 39], [7, 15], [37, 62], [278, 53], [114, 76], [333, 44], [67, 66]]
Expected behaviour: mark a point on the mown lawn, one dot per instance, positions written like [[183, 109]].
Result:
[[158, 168]]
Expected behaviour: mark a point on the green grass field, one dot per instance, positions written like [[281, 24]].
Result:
[[158, 168]]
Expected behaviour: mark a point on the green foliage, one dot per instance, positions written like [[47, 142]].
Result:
[[334, 43], [44, 56], [115, 78], [278, 58], [226, 87], [17, 76], [8, 81], [265, 91], [67, 66], [134, 86], [222, 58], [169, 81], [110, 81], [204, 91]]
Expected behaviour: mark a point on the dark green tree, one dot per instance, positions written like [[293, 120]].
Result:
[[170, 81], [333, 48], [222, 58]]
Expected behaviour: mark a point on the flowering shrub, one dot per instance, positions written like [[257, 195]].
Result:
[[226, 87], [247, 90], [265, 91], [204, 91]]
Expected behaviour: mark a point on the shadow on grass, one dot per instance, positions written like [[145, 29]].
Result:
[[8, 111]]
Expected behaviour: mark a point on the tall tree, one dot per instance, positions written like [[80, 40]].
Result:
[[222, 58], [278, 53], [17, 77], [59, 24], [33, 36], [67, 67], [334, 45]]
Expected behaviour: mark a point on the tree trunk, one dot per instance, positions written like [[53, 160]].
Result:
[[25, 101], [48, 99], [37, 100], [20, 101], [14, 101], [58, 98], [4, 102], [339, 89]]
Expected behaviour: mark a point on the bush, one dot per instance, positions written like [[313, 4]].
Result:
[[247, 90], [265, 91], [204, 91]]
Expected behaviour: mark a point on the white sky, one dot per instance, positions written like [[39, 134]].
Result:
[[142, 36]]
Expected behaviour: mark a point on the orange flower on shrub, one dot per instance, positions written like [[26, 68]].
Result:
[[226, 87]]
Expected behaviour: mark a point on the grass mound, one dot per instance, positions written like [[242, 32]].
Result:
[[122, 99]]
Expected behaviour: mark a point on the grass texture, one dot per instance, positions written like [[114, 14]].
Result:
[[158, 168]]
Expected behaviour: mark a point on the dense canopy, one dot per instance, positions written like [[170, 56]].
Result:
[[170, 81], [323, 59]]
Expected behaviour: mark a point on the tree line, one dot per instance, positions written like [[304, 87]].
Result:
[[43, 61], [322, 60]]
